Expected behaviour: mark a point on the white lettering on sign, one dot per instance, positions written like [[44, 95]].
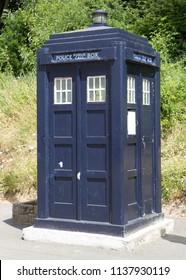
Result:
[[76, 56], [143, 58]]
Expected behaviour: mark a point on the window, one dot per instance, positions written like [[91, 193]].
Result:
[[96, 89], [146, 92], [131, 90], [63, 91]]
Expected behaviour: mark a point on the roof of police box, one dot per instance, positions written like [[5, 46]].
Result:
[[98, 31]]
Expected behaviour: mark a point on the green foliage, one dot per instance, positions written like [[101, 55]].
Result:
[[174, 164], [167, 18], [70, 15], [16, 53], [26, 27], [30, 25], [18, 134], [173, 95]]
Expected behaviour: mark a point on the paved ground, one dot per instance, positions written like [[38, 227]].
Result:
[[12, 247]]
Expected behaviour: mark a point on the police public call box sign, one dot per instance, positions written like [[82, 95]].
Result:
[[72, 57]]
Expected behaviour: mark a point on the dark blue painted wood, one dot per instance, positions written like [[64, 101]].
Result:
[[118, 198], [95, 148], [62, 147], [42, 141], [119, 186], [157, 144]]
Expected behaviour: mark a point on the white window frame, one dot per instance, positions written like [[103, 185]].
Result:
[[63, 95], [131, 89], [146, 91], [96, 94]]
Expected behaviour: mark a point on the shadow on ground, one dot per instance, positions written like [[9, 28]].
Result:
[[10, 222], [175, 238]]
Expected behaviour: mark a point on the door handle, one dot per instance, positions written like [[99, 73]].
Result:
[[79, 175], [143, 142], [60, 164]]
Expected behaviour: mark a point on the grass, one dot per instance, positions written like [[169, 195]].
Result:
[[18, 143], [174, 164], [18, 134]]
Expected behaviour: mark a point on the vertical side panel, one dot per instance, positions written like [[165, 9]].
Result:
[[118, 130], [42, 140], [157, 144]]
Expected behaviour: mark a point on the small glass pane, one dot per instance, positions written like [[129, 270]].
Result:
[[69, 84], [91, 83], [57, 84], [91, 96], [69, 97], [58, 97], [103, 95], [96, 83], [63, 97], [148, 99], [103, 83], [63, 84], [148, 86], [97, 99]]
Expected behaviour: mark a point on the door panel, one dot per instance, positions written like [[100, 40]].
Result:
[[95, 142], [62, 144], [79, 142], [147, 143], [63, 117], [140, 148]]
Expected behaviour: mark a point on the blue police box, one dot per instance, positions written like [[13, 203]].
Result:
[[98, 131]]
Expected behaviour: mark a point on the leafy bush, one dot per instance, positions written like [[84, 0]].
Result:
[[16, 53], [27, 28], [173, 95]]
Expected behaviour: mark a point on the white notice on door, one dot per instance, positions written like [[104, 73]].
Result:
[[131, 123]]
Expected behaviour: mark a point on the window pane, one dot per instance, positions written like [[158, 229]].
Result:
[[69, 97], [148, 99], [91, 95], [58, 95], [91, 83], [63, 97], [103, 95], [63, 84], [103, 83], [96, 83], [97, 94], [69, 84], [57, 84], [131, 91]]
